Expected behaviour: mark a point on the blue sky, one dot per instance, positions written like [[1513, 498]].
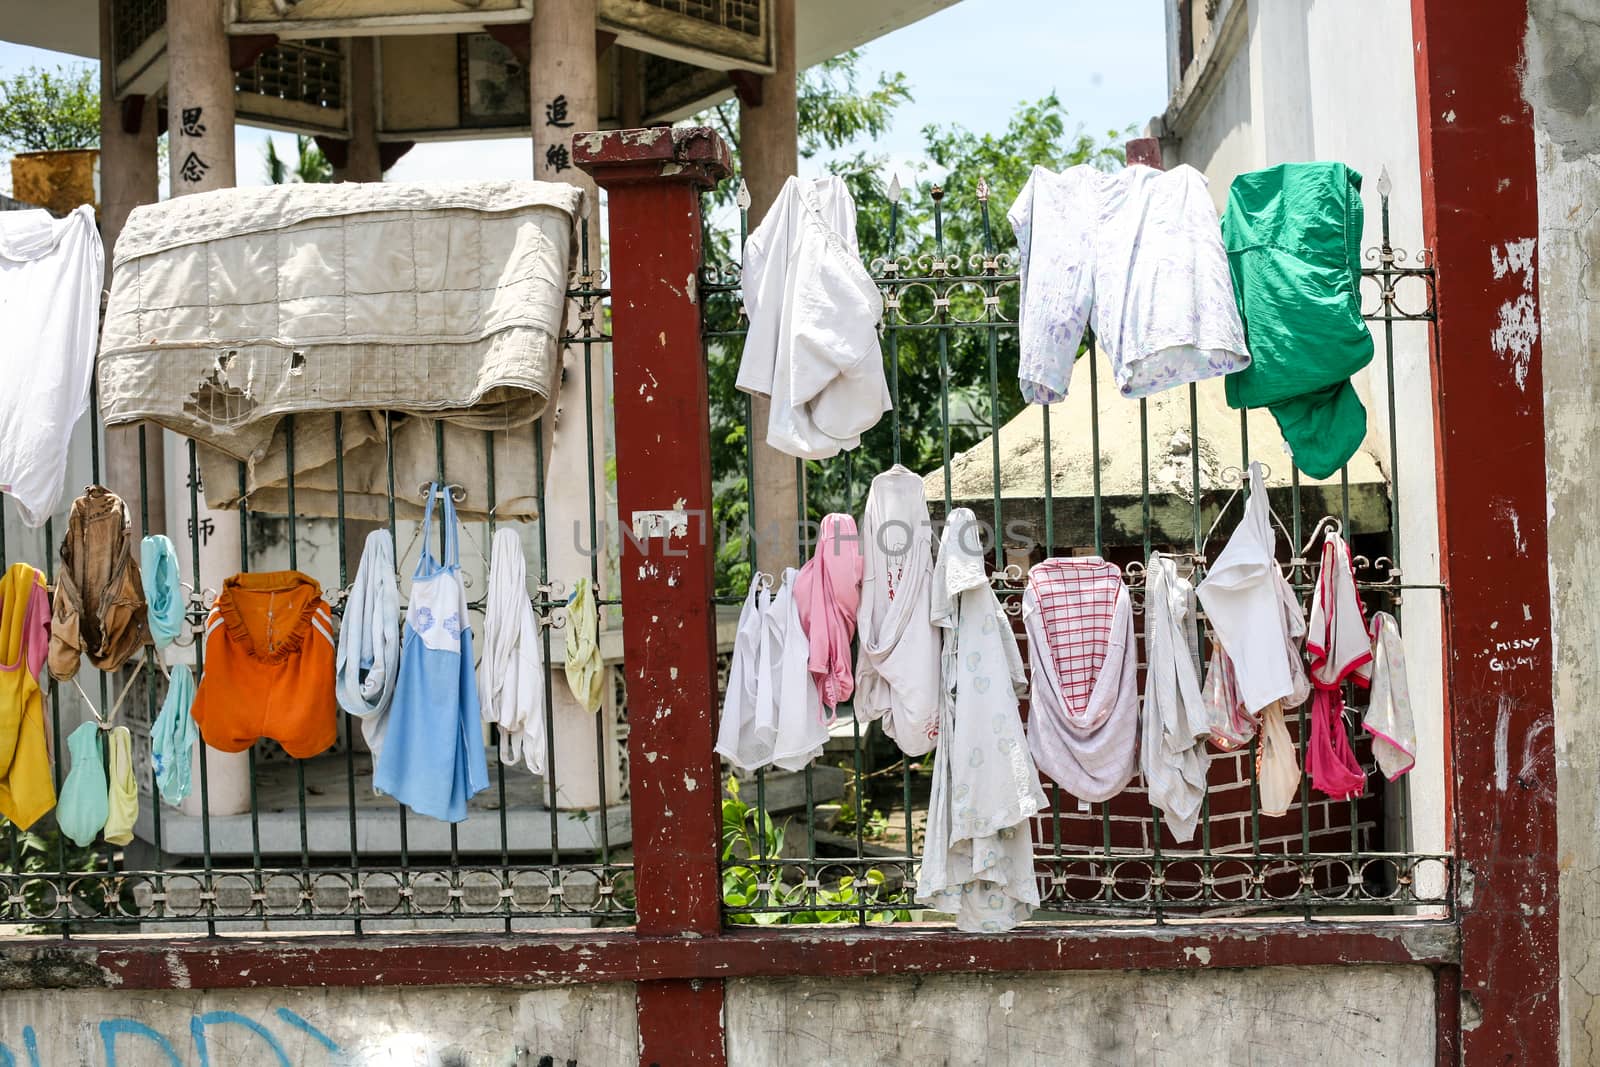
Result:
[[970, 64]]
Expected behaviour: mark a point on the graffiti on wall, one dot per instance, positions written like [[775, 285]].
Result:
[[122, 1035]]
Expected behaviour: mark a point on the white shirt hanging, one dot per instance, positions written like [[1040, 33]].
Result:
[[511, 675], [977, 860], [1083, 723], [1253, 610], [812, 345], [785, 686], [1172, 752], [897, 656], [51, 271], [748, 728], [1389, 719]]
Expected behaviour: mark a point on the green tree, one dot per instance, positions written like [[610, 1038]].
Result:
[[41, 110], [310, 164]]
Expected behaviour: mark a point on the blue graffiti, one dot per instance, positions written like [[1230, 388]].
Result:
[[110, 1029], [300, 1024], [198, 1024]]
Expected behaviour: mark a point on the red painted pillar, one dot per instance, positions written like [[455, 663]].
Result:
[[1481, 219], [653, 179]]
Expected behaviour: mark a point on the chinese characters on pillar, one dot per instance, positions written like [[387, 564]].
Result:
[[193, 168], [557, 157]]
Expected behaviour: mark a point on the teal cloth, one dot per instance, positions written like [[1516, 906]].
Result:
[[163, 588], [1293, 235], [81, 813], [173, 736]]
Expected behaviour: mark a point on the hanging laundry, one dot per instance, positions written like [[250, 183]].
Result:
[[1277, 766], [1388, 718], [84, 800], [1293, 234], [368, 661], [122, 792], [896, 673], [1084, 719], [315, 304], [51, 271], [1135, 255], [27, 784], [99, 608], [1254, 612], [812, 345], [269, 666], [977, 861], [511, 677], [1232, 725], [173, 736], [433, 760], [827, 593], [1172, 753], [163, 589], [748, 728], [1339, 647], [585, 669], [786, 686]]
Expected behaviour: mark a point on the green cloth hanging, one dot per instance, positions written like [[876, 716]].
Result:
[[1293, 235]]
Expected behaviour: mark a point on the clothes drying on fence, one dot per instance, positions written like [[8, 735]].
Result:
[[122, 791], [239, 308], [1084, 716], [748, 728], [1293, 234], [1136, 255], [173, 736], [897, 675], [511, 676], [1172, 749], [85, 803], [1332, 765], [585, 669], [827, 594], [27, 786], [1277, 766], [1232, 724], [1254, 612], [163, 589], [812, 344], [99, 609], [1337, 640], [269, 666], [433, 759], [367, 665], [1388, 718], [51, 271], [977, 861]]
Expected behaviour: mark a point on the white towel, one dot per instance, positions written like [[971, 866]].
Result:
[[369, 642], [1172, 753], [1388, 718], [747, 730], [511, 672]]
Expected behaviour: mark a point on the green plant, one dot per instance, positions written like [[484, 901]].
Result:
[[41, 110], [750, 834], [52, 860], [310, 163]]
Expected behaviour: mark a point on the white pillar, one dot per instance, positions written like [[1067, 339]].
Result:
[[200, 121], [769, 153], [362, 162], [563, 98]]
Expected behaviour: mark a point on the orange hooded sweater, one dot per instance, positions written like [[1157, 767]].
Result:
[[269, 666]]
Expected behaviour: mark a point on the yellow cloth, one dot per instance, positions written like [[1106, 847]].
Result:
[[27, 789], [122, 796], [585, 672]]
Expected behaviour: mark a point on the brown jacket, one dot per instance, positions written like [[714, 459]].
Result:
[[99, 608]]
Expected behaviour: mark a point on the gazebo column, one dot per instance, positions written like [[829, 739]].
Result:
[[200, 127], [563, 96], [362, 162], [769, 153], [129, 176]]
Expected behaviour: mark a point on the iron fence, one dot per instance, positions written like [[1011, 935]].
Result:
[[840, 841]]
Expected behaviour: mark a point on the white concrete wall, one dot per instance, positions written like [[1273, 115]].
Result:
[[1332, 1016], [1289, 91], [593, 1025]]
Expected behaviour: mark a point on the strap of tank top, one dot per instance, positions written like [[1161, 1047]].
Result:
[[452, 533]]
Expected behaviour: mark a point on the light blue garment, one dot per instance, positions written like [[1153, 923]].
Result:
[[433, 758], [172, 738], [369, 642], [163, 588], [81, 813]]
